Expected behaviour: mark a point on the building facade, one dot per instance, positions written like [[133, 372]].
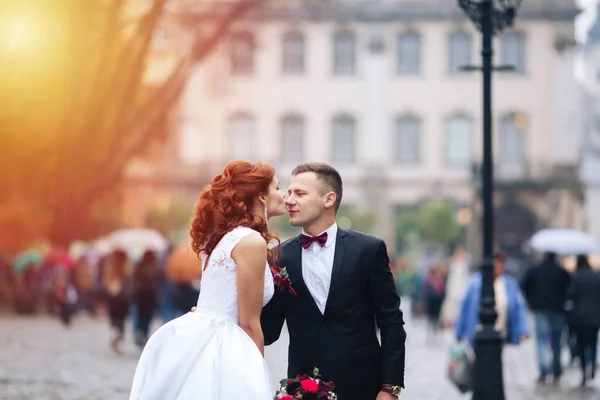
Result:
[[377, 90], [590, 164]]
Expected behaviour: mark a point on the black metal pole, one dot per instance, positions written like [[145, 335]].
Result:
[[487, 375]]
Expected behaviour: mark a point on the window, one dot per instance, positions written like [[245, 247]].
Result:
[[344, 139], [458, 146], [344, 53], [407, 138], [241, 135], [512, 146], [242, 53], [513, 50], [292, 138], [293, 53], [409, 53], [460, 51]]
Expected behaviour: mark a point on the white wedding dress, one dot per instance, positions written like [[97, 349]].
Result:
[[205, 355]]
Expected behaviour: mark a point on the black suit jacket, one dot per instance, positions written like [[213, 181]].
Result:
[[342, 342]]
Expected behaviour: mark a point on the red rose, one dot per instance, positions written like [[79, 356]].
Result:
[[276, 268], [310, 386], [288, 397]]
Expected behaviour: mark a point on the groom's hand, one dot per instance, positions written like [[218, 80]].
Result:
[[193, 309], [385, 396]]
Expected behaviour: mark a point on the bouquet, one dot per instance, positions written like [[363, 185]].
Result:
[[305, 387]]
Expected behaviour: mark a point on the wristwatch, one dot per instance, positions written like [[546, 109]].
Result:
[[391, 389]]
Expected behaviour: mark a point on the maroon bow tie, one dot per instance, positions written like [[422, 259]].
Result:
[[308, 240]]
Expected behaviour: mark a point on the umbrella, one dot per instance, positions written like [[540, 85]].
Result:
[[135, 241], [183, 265], [100, 248], [564, 242], [25, 259]]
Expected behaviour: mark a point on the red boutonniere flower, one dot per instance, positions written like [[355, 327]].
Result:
[[282, 279]]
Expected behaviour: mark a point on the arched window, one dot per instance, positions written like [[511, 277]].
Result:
[[343, 148], [407, 138], [293, 53], [241, 136], [458, 149]]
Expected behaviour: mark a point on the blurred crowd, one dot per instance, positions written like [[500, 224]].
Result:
[[561, 296], [556, 300], [114, 284]]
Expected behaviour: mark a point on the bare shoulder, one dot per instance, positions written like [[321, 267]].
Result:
[[251, 249], [252, 242]]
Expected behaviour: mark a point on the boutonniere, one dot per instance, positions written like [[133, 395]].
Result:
[[282, 279]]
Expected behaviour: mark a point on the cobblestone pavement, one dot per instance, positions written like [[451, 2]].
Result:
[[42, 360]]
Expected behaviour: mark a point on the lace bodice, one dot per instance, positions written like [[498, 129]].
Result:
[[218, 287]]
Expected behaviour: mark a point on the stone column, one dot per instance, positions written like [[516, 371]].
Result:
[[374, 133]]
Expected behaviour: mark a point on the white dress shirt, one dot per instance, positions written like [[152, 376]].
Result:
[[317, 266]]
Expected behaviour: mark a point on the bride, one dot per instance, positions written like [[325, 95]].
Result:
[[217, 352]]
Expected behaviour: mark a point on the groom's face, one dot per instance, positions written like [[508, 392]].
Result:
[[306, 201]]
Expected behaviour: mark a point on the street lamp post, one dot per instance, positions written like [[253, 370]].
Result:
[[490, 17]]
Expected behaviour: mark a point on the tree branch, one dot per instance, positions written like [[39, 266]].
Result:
[[127, 96], [148, 116], [109, 34], [238, 10], [118, 72], [169, 90]]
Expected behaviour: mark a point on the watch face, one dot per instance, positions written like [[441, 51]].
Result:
[[396, 390]]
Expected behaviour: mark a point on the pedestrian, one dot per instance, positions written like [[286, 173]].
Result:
[[117, 288], [584, 295], [545, 288], [456, 285], [433, 294], [511, 310], [145, 294], [65, 297], [84, 282]]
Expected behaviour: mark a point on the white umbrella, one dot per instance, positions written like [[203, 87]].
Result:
[[564, 242], [135, 241], [100, 247]]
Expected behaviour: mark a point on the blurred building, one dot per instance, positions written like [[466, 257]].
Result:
[[377, 90], [590, 163]]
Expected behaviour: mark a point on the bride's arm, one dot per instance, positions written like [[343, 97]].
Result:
[[250, 256]]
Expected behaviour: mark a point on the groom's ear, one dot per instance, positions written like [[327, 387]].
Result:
[[330, 199]]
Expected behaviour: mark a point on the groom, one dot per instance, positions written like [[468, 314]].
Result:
[[345, 290]]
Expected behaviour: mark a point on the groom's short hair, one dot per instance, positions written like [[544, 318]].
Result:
[[329, 175]]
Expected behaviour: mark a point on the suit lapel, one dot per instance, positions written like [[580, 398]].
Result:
[[338, 261], [294, 258]]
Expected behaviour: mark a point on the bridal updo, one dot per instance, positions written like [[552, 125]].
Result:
[[227, 203]]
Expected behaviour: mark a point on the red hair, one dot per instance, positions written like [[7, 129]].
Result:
[[227, 203]]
